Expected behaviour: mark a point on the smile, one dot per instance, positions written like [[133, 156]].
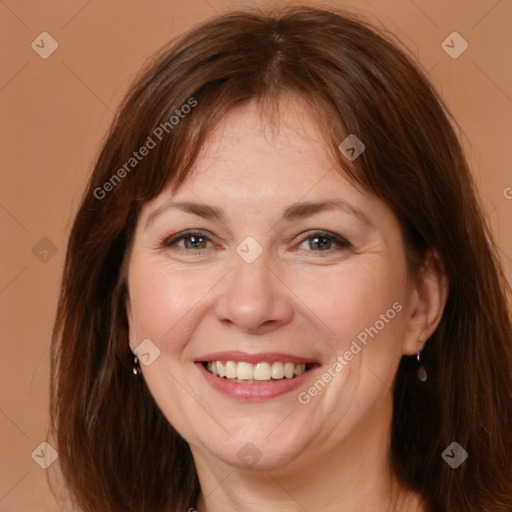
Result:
[[262, 372], [255, 377]]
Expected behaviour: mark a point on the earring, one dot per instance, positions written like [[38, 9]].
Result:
[[136, 366], [422, 373]]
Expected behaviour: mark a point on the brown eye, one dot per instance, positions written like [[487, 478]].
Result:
[[187, 241], [324, 241], [195, 242], [321, 243]]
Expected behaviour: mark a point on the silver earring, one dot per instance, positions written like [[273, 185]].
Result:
[[136, 366], [422, 373]]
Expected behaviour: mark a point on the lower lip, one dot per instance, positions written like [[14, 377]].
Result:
[[253, 391]]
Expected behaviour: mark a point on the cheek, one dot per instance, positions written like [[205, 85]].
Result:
[[363, 304], [165, 302], [165, 306]]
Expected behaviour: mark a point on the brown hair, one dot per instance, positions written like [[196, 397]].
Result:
[[116, 449]]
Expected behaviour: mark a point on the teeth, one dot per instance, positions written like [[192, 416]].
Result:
[[244, 371], [262, 372], [221, 369], [289, 370], [277, 370], [300, 369], [231, 370]]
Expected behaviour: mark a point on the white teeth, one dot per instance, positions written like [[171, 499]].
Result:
[[263, 371], [245, 371], [277, 370], [221, 369], [289, 370], [231, 371]]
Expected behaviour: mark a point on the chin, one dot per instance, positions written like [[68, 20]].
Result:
[[257, 455]]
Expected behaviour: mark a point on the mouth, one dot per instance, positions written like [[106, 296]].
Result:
[[254, 377], [262, 372]]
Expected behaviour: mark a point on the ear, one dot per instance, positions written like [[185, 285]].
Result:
[[131, 332], [427, 301]]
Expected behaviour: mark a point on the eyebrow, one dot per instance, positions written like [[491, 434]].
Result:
[[295, 211]]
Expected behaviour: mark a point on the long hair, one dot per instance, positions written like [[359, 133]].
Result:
[[117, 451]]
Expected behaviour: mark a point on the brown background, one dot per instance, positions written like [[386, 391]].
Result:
[[56, 112]]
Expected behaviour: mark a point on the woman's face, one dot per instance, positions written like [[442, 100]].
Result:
[[268, 263]]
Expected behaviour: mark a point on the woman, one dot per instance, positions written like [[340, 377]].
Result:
[[279, 290]]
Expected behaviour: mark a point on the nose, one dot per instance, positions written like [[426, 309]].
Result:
[[254, 298]]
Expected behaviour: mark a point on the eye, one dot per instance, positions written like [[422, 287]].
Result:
[[189, 241], [324, 241], [197, 241]]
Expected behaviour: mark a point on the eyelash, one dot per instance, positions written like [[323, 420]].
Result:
[[170, 241]]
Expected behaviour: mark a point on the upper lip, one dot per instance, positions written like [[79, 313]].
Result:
[[254, 358]]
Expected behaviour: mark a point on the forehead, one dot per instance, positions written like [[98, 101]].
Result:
[[289, 127], [253, 155]]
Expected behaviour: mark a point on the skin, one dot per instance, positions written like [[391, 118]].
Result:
[[329, 454]]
